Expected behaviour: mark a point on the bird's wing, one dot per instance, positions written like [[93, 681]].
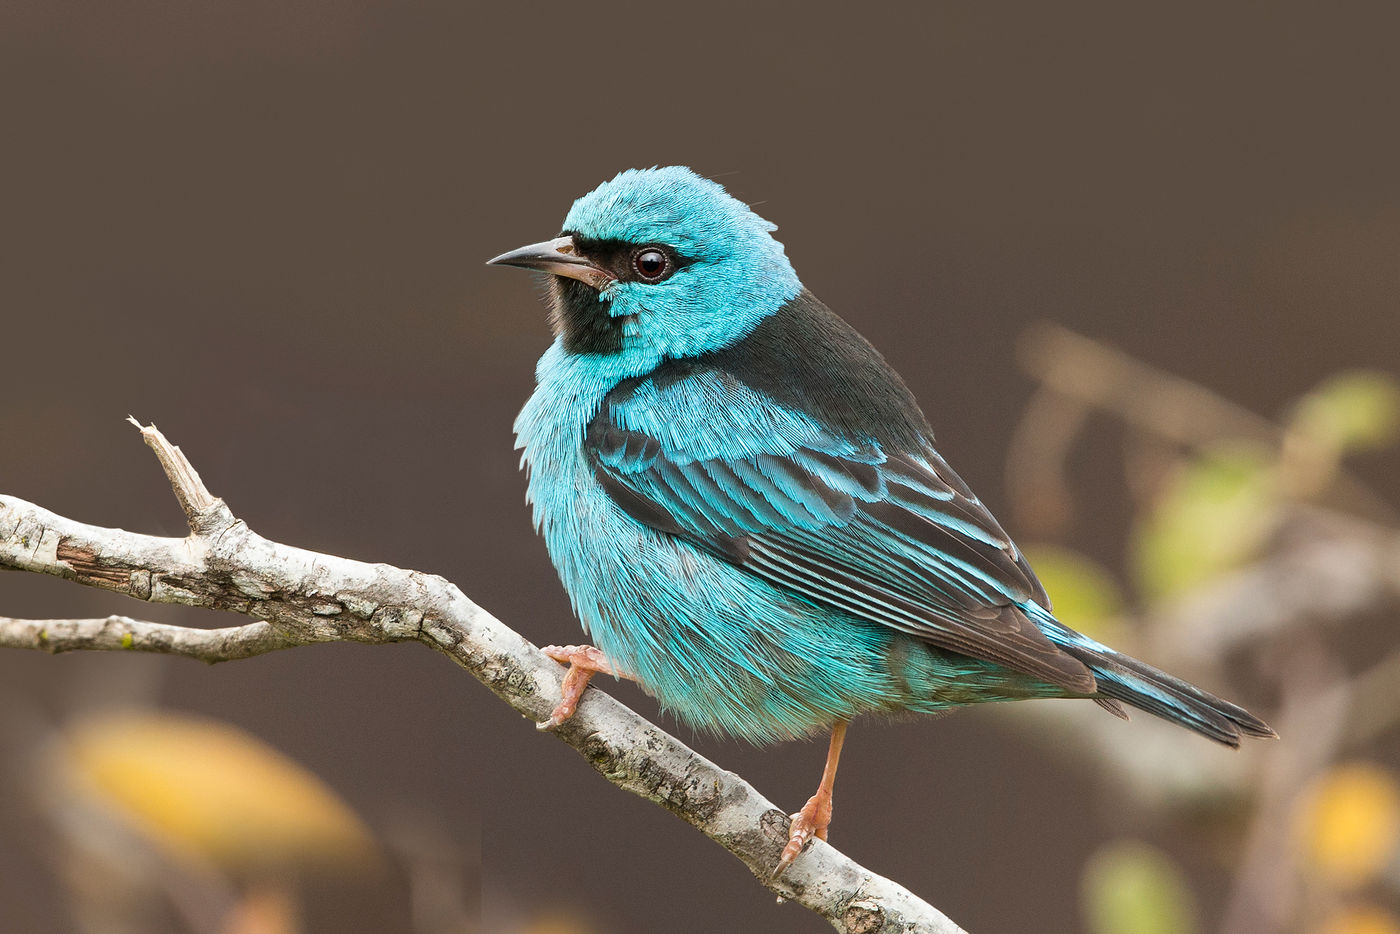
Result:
[[892, 536]]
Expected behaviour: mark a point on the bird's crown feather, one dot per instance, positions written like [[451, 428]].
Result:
[[673, 205]]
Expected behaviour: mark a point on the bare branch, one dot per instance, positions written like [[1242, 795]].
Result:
[[123, 634], [307, 597]]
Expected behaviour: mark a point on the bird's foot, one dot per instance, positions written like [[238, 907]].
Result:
[[812, 821], [584, 662]]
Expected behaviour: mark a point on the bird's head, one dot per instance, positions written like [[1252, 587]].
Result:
[[659, 264]]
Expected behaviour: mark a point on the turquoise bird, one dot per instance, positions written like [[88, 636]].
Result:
[[745, 504]]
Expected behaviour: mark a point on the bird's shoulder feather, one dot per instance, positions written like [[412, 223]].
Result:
[[799, 455]]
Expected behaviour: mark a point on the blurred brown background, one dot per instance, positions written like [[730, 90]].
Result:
[[261, 225]]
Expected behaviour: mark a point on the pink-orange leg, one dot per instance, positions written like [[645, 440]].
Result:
[[815, 816], [584, 662]]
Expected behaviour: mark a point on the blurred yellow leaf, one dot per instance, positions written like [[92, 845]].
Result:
[[1211, 517], [1363, 919], [1085, 595], [206, 788], [1132, 888], [1354, 410], [1350, 822]]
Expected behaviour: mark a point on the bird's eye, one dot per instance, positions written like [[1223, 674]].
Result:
[[651, 264]]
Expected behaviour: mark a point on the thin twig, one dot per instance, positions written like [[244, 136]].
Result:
[[196, 501], [307, 597], [123, 634]]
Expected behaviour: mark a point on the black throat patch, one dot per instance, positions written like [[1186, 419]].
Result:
[[585, 324]]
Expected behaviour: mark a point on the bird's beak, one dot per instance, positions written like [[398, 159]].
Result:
[[558, 257]]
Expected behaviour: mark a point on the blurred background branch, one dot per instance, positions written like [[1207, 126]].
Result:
[[1255, 563]]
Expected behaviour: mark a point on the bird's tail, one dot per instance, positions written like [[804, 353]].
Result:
[[1123, 678]]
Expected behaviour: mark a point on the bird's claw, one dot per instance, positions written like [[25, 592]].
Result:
[[584, 661], [584, 656], [557, 716], [812, 821]]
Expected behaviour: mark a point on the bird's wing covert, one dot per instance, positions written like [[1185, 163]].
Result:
[[894, 537]]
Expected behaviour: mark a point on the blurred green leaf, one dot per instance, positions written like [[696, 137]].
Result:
[[1132, 888], [1353, 410], [1211, 517], [1086, 596]]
